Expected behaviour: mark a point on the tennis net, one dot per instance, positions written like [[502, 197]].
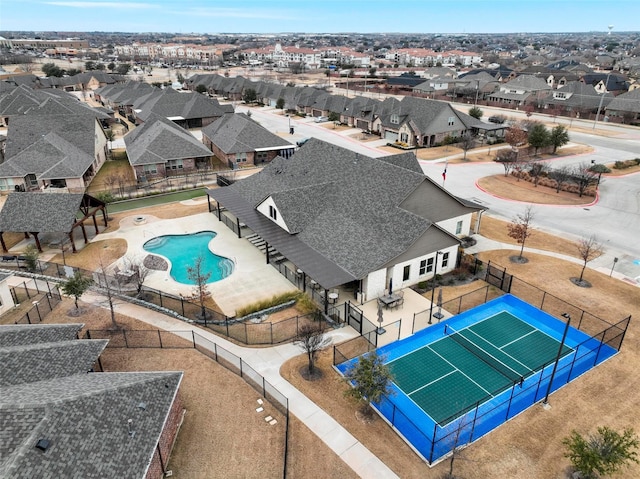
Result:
[[514, 375]]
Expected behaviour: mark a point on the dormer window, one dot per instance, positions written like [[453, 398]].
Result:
[[273, 213], [395, 119], [451, 121]]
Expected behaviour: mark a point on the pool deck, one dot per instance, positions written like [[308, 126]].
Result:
[[252, 278]]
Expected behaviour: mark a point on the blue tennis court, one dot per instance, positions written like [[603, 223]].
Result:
[[459, 379]]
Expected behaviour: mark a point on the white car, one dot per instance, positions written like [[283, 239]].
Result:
[[321, 119]]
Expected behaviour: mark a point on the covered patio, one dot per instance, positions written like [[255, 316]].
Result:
[[50, 217]]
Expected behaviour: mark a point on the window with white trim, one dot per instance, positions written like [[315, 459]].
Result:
[[445, 260], [406, 272], [395, 119], [241, 157], [273, 213], [175, 165], [423, 267], [451, 121], [459, 227], [150, 169], [429, 265]]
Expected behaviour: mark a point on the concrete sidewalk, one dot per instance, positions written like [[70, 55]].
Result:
[[267, 362]]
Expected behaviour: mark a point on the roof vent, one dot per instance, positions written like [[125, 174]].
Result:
[[43, 444], [142, 405]]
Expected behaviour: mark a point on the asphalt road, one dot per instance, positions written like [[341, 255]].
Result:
[[614, 217]]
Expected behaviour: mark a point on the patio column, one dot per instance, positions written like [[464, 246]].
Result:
[[4, 246]]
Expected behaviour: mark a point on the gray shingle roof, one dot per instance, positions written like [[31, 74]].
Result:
[[627, 102], [160, 140], [343, 207], [45, 213], [14, 335], [237, 133], [46, 393], [170, 103]]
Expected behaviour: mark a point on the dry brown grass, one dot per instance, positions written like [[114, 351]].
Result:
[[222, 434], [526, 192], [496, 229], [529, 446]]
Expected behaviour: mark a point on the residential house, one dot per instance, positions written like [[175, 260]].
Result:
[[159, 148], [346, 219], [6, 298], [52, 152], [189, 110], [577, 99], [625, 106], [61, 419], [238, 141], [419, 122], [522, 90], [606, 82]]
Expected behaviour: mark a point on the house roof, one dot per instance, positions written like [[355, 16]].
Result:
[[46, 393], [343, 210], [238, 133], [626, 102], [159, 140], [171, 103], [39, 212], [579, 95]]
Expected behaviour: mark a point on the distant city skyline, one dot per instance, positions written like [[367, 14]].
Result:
[[328, 16]]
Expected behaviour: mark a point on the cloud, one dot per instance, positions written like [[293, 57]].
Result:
[[121, 5]]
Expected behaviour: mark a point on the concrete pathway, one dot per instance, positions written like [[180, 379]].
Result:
[[267, 362]]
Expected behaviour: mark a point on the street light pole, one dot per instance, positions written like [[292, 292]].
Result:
[[606, 84]]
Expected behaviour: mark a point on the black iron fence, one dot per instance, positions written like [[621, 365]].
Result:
[[43, 300], [192, 340], [249, 332]]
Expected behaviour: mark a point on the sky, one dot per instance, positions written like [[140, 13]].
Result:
[[328, 16]]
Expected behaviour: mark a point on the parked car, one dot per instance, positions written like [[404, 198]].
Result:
[[321, 119], [302, 142], [499, 119]]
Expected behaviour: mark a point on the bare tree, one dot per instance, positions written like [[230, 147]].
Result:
[[520, 227], [588, 249], [110, 181], [311, 339], [200, 278], [136, 264], [584, 177], [561, 175], [466, 143], [536, 170], [507, 159]]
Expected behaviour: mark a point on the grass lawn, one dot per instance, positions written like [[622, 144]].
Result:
[[224, 437]]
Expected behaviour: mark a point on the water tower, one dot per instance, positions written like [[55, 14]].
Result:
[[610, 27]]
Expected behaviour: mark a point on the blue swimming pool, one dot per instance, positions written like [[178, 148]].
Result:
[[182, 250]]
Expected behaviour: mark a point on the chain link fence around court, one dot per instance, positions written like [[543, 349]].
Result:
[[135, 339], [609, 331]]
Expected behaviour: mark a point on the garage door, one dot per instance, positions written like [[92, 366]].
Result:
[[390, 135]]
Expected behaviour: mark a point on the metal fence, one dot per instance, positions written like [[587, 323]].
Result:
[[43, 301], [193, 340], [481, 418], [243, 331]]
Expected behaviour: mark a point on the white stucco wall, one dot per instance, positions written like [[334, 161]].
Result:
[[450, 225], [264, 209], [377, 283]]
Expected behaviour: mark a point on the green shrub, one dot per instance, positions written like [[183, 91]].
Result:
[[105, 196], [619, 165], [422, 285]]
